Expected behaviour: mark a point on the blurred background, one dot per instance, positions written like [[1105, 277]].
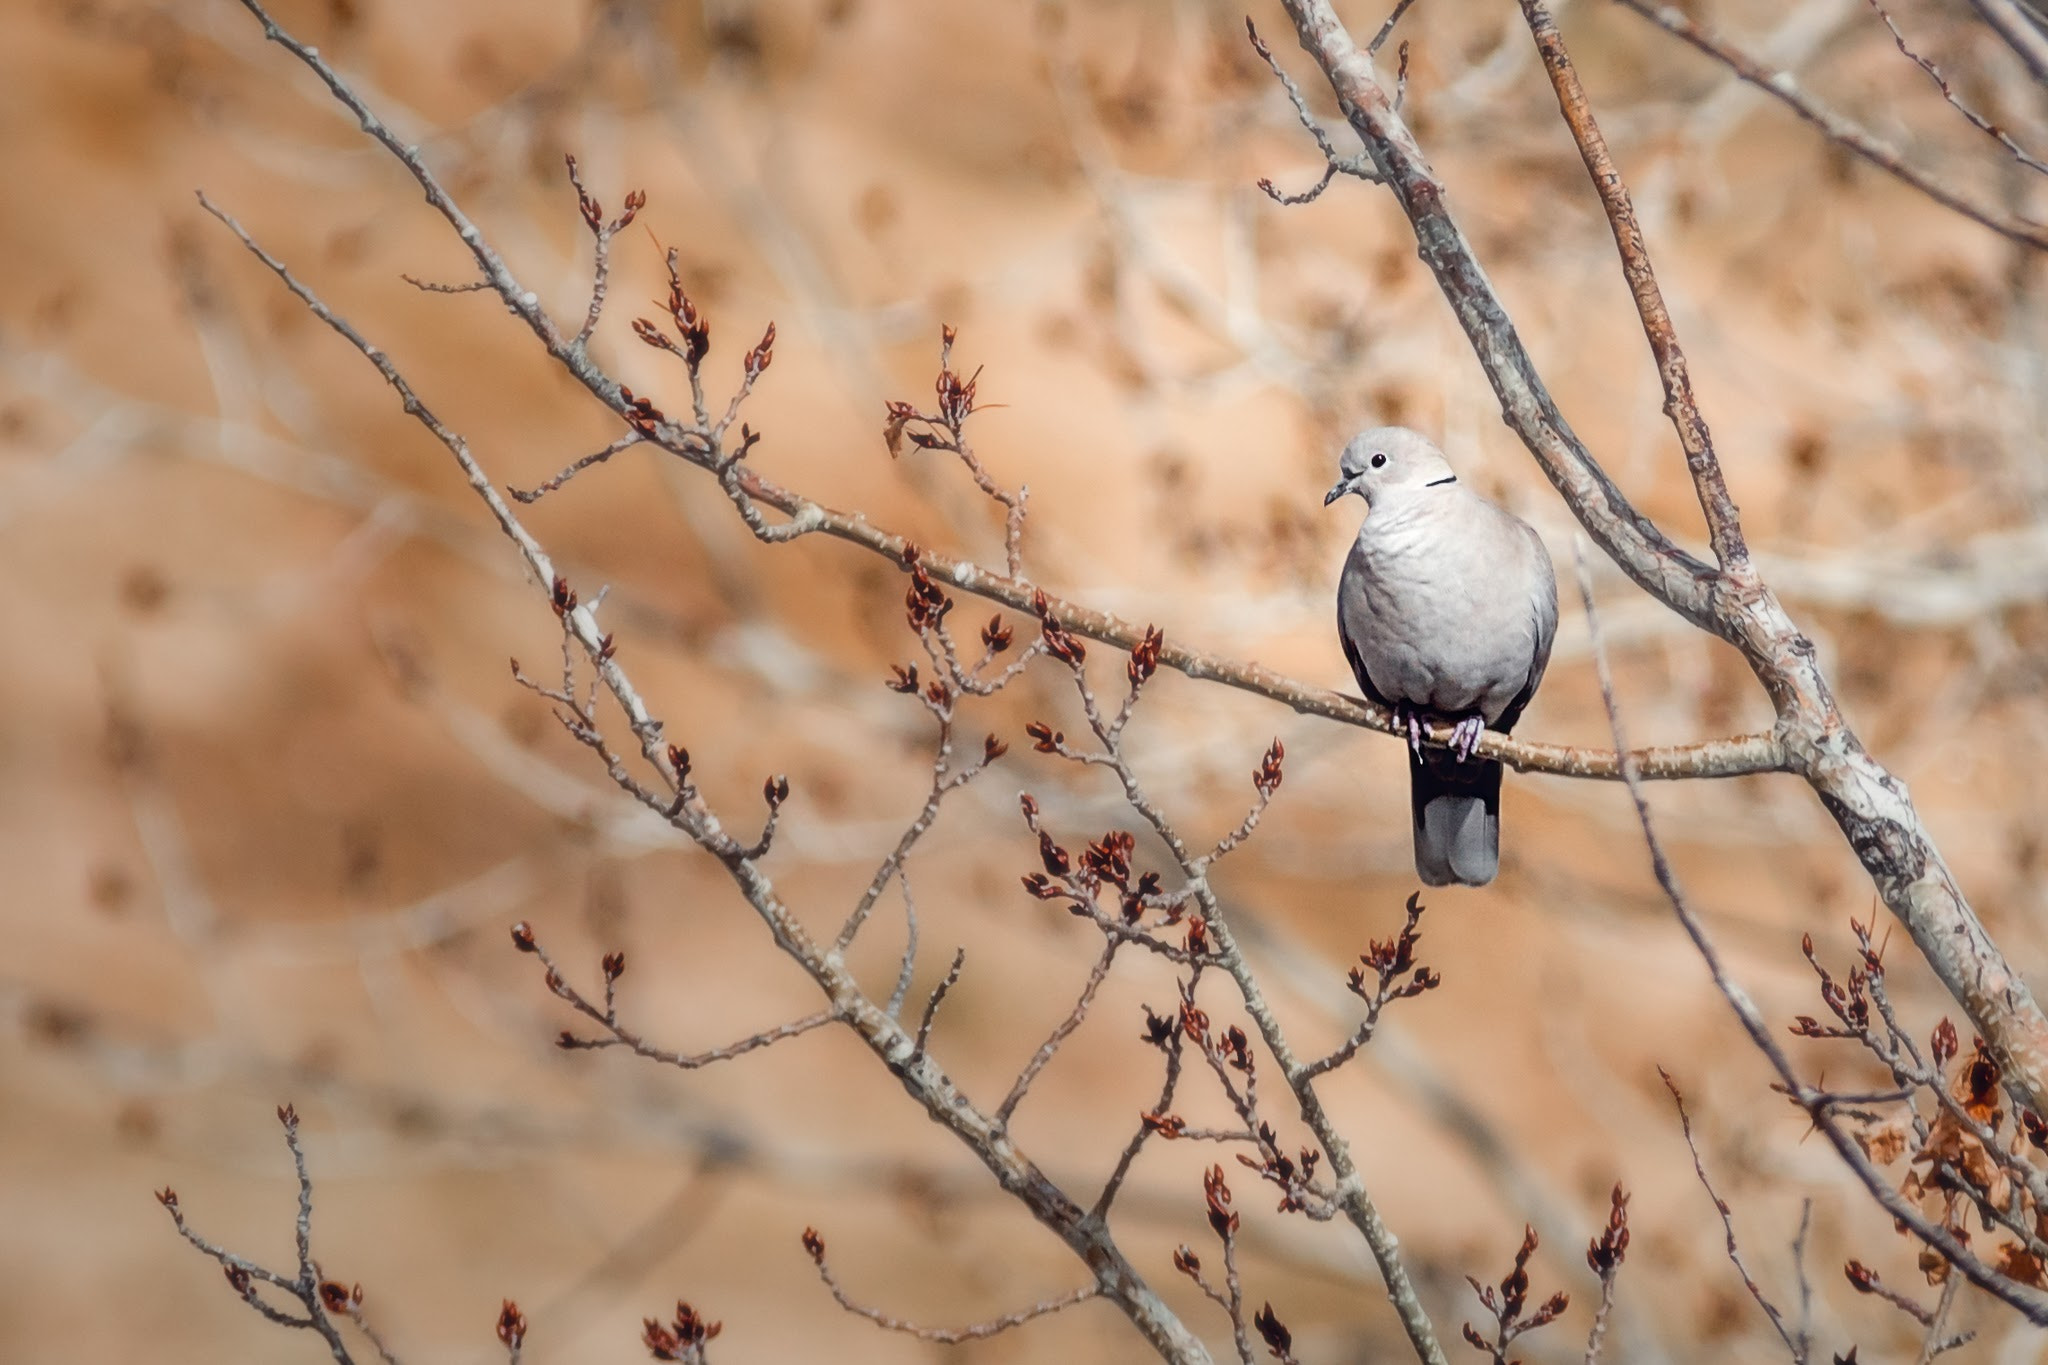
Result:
[[269, 800]]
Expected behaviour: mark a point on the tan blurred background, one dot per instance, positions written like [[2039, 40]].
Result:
[[268, 799]]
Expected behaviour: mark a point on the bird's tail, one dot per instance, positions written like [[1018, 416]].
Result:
[[1457, 818]]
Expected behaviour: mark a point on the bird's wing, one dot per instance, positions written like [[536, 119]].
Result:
[[1357, 662], [1542, 593]]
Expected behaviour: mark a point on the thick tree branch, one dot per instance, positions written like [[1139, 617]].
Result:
[[691, 441], [1869, 804], [2031, 1302], [1643, 551]]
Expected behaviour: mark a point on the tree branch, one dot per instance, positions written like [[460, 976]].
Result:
[[2032, 1303], [1782, 86], [884, 1036], [1724, 525], [2021, 34], [1869, 804]]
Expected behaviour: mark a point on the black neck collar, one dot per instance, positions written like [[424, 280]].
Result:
[[1439, 483]]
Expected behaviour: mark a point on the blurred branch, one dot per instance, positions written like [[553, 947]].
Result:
[[1781, 85], [2021, 30]]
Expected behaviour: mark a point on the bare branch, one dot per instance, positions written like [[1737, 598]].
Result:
[[938, 998], [1398, 977], [618, 1035], [601, 233], [1782, 86], [1333, 164], [944, 1336], [2031, 1302], [320, 1298], [1793, 1343], [570, 471], [1350, 1193], [908, 966], [1605, 1255], [1064, 1030], [883, 1035], [1868, 803], [1724, 523], [1163, 1034], [2022, 33], [1977, 120]]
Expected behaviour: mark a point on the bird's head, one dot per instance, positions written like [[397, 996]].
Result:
[[1378, 461]]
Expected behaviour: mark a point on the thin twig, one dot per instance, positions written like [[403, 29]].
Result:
[[1064, 1030], [938, 998], [1763, 1301], [1333, 164], [1379, 40], [1782, 86], [1172, 1046], [575, 467], [1977, 120], [618, 1035], [306, 1286], [944, 1336]]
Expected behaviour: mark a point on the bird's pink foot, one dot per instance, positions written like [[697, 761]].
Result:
[[1408, 721], [1465, 736]]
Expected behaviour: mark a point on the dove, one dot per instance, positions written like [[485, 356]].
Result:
[[1446, 609]]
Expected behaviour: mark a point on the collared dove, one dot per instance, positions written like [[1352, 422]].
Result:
[[1446, 609]]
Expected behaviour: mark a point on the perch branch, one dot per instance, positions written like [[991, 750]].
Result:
[[1868, 803]]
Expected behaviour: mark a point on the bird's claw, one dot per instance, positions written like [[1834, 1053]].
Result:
[[1465, 736], [1464, 740], [1408, 721]]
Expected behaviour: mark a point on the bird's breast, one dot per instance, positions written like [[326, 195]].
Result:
[[1439, 621]]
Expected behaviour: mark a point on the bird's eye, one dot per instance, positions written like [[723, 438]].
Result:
[[1378, 458]]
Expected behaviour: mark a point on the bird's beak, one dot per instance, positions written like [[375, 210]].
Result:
[[1338, 490]]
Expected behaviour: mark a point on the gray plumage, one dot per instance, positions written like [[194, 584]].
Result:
[[1446, 608]]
